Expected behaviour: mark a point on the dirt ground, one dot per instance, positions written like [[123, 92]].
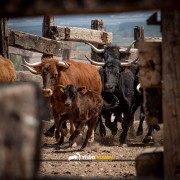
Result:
[[54, 164]]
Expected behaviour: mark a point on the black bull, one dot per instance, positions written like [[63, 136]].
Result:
[[121, 82]]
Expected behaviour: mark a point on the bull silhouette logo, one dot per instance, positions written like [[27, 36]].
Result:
[[77, 156]]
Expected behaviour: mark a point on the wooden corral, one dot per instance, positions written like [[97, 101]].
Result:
[[168, 54]]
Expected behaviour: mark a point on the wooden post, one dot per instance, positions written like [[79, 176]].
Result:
[[3, 38], [97, 25], [47, 22], [138, 35], [171, 92], [21, 115]]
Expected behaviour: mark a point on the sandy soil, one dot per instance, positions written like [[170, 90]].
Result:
[[54, 164]]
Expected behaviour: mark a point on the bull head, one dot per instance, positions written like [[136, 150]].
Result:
[[49, 72]]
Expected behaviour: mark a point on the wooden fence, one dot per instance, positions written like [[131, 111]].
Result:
[[56, 40]]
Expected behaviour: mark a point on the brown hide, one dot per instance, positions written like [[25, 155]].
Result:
[[84, 109], [78, 73], [7, 71]]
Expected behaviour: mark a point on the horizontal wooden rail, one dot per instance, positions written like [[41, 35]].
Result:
[[34, 43], [55, 7], [80, 35]]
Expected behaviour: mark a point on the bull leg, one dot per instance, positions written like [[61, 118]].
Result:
[[141, 119], [114, 126], [123, 135], [131, 132], [76, 133], [60, 128], [102, 129], [127, 121], [111, 125], [148, 136], [90, 131]]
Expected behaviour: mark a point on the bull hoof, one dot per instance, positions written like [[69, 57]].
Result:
[[157, 127], [74, 144], [48, 134], [123, 145], [103, 134], [113, 133], [139, 133], [147, 139]]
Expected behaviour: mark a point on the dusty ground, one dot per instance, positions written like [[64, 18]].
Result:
[[54, 163]]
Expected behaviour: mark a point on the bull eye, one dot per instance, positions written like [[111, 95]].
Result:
[[45, 71]]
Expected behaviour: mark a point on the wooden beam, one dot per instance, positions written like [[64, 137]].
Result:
[[80, 35], [3, 38], [56, 7], [34, 43], [171, 93], [97, 25], [21, 52], [150, 64], [47, 22]]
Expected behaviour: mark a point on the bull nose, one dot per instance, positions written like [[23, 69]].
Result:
[[108, 86], [47, 92], [67, 104]]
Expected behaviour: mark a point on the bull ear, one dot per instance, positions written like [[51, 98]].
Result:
[[61, 87], [82, 89]]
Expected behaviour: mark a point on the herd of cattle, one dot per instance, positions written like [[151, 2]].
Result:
[[87, 93]]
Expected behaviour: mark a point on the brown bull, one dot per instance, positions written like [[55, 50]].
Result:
[[7, 71], [55, 72], [83, 107]]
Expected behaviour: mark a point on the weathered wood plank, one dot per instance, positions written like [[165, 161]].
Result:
[[149, 164], [80, 55], [153, 105], [34, 43], [22, 111], [171, 93], [17, 51], [80, 35], [41, 7], [47, 22], [97, 25], [150, 64], [3, 37]]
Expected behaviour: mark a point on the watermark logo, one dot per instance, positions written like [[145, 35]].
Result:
[[78, 157]]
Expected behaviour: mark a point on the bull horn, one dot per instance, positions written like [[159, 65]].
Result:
[[128, 63], [95, 48], [94, 62], [128, 49], [32, 64], [138, 87], [30, 69], [63, 64]]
